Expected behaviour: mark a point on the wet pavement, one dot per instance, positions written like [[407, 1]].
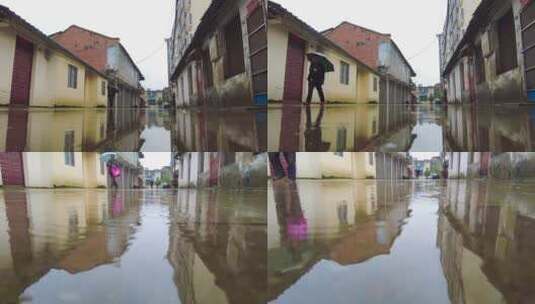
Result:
[[152, 246], [401, 242], [400, 128], [130, 129]]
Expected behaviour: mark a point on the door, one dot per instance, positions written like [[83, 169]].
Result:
[[12, 168], [295, 65], [258, 47], [22, 73], [214, 169], [527, 18], [17, 130]]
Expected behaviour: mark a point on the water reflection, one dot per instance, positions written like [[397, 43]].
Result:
[[348, 241], [399, 127], [67, 246], [131, 129]]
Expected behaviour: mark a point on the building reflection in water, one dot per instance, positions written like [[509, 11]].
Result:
[[344, 222], [497, 129], [217, 247], [337, 128], [400, 127], [486, 234], [405, 242], [60, 246], [131, 129]]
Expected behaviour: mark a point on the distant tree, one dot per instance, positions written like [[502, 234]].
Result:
[[427, 173]]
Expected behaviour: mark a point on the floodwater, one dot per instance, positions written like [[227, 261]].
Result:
[[400, 128], [131, 129], [152, 246], [401, 242]]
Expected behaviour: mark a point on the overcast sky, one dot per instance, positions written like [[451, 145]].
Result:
[[156, 160], [141, 25], [413, 24]]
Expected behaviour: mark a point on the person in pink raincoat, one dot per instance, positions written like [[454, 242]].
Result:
[[114, 170]]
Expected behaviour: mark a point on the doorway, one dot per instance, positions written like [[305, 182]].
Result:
[[22, 73]]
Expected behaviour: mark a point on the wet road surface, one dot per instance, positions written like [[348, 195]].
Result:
[[129, 129], [401, 242], [399, 127], [77, 246]]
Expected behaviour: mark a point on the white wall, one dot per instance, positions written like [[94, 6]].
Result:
[[277, 53], [7, 57]]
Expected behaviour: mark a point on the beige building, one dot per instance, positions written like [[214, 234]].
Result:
[[338, 165], [53, 169], [39, 72], [290, 39], [225, 63]]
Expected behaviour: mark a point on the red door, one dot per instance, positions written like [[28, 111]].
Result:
[[214, 169], [295, 65], [485, 163], [17, 129], [22, 73], [12, 168]]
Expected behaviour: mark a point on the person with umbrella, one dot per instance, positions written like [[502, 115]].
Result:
[[319, 65]]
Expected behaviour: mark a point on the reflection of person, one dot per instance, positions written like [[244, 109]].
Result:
[[283, 165], [313, 141], [114, 170], [291, 218], [316, 78]]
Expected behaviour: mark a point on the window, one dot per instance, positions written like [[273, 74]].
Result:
[[103, 88], [234, 58], [375, 84], [341, 139], [371, 158], [507, 59], [73, 77], [69, 148], [344, 73]]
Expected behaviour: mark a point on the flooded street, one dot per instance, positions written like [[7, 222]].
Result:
[[131, 129], [401, 242], [399, 127], [152, 246]]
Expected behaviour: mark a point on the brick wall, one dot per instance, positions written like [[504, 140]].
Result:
[[89, 46], [347, 35]]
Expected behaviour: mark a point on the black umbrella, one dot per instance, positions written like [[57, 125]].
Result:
[[320, 58]]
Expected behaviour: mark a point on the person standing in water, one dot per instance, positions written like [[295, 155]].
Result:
[[316, 79], [114, 170]]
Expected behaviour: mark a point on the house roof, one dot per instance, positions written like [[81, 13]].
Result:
[[388, 36], [277, 10], [13, 18], [205, 26], [114, 39], [481, 12]]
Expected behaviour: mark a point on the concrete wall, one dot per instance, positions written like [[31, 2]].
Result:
[[359, 89], [393, 61], [50, 81], [119, 60], [277, 53], [93, 90], [334, 90], [7, 57], [48, 170]]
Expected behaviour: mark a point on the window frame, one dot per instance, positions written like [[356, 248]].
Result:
[[72, 77]]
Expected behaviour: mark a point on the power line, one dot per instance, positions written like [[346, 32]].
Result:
[[151, 54], [422, 50]]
